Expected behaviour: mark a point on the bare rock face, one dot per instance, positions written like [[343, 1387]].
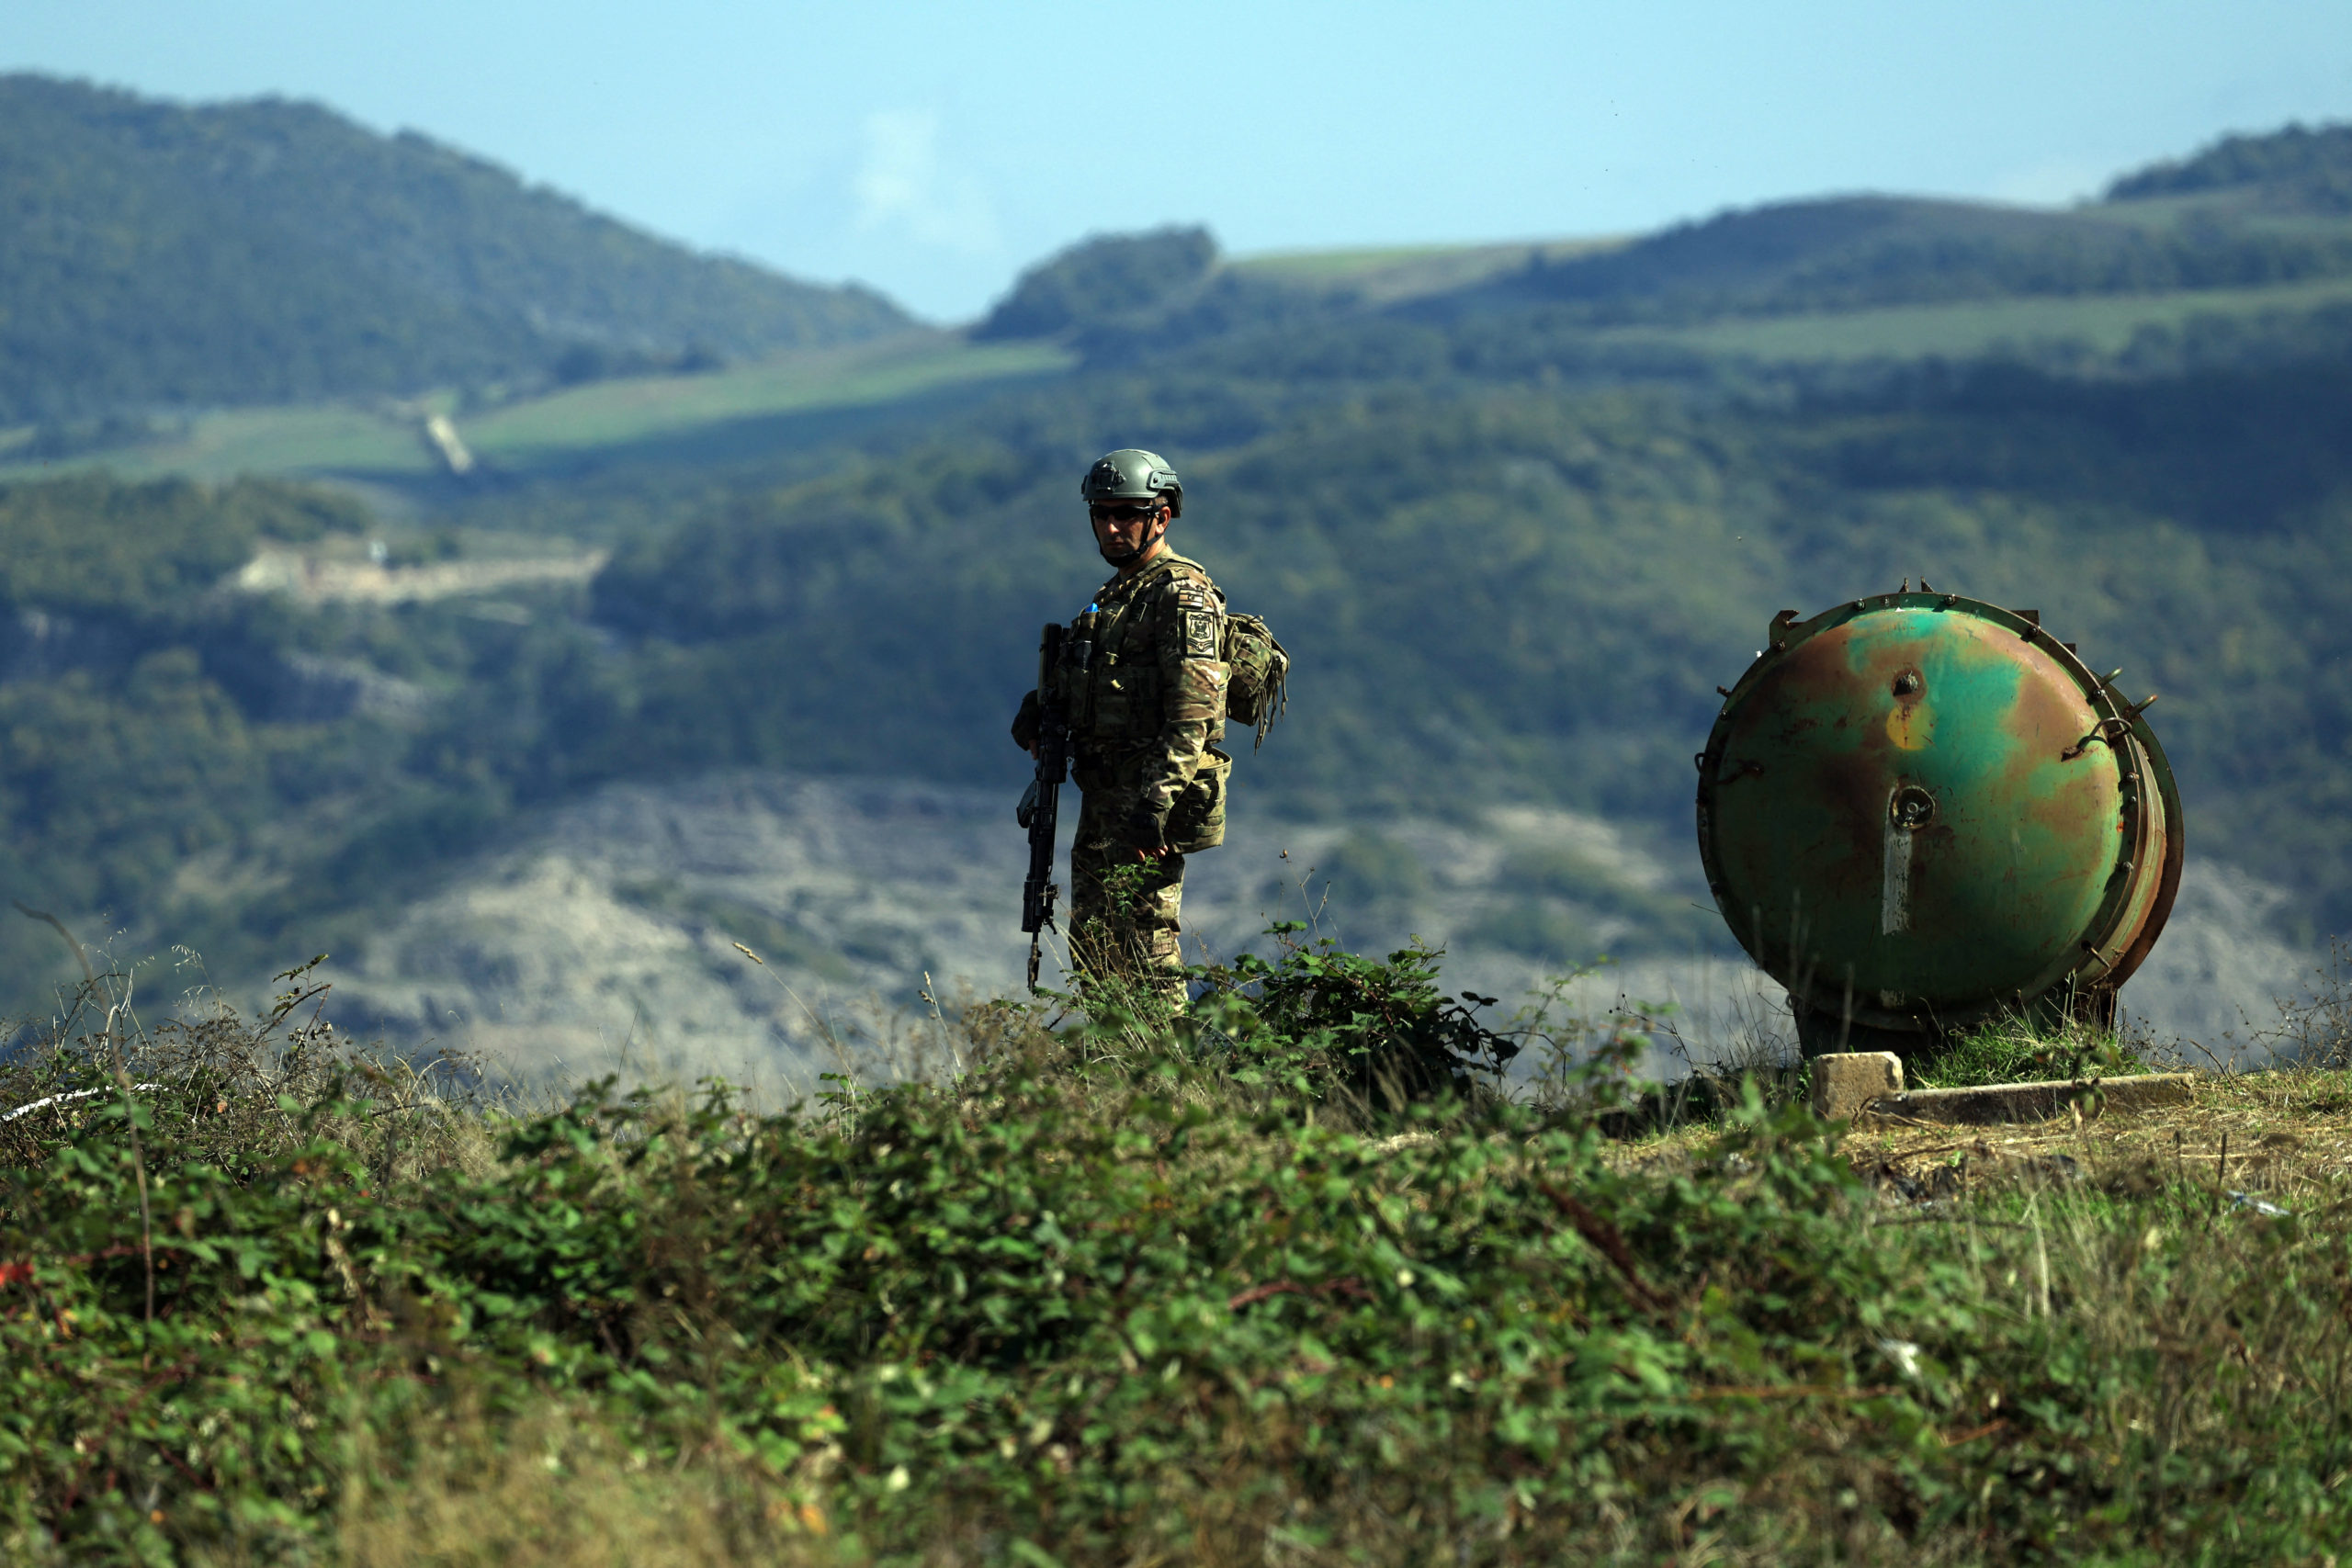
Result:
[[769, 928], [1845, 1082], [758, 928], [764, 927]]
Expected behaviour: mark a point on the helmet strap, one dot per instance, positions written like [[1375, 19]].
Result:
[[1162, 515]]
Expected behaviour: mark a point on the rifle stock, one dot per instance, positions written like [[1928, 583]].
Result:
[[1041, 806]]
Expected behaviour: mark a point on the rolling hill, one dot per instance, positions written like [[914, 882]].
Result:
[[2298, 170], [2249, 216], [154, 254], [1516, 541], [2238, 256]]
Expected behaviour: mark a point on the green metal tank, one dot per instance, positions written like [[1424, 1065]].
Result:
[[1918, 810]]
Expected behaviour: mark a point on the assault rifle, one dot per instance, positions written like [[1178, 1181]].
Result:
[[1041, 804]]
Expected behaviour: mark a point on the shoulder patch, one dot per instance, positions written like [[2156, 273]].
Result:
[[1200, 634]]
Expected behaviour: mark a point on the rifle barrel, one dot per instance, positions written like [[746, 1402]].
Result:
[[1037, 890]]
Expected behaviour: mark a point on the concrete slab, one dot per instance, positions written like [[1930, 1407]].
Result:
[[2034, 1102]]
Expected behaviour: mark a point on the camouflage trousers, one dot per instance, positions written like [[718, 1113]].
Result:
[[1124, 913]]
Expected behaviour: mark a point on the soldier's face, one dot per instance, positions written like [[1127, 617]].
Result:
[[1123, 532]]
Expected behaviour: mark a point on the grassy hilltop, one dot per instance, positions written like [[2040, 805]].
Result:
[[1286, 1282]]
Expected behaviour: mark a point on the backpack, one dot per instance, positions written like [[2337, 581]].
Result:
[[1253, 694]]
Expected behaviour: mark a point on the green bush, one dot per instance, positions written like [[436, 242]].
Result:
[[1103, 1296]]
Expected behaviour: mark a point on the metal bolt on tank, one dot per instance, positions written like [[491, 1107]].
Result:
[[1918, 811]]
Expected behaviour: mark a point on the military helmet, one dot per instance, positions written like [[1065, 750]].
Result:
[[1132, 474]]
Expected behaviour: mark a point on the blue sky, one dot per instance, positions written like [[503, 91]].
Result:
[[932, 150]]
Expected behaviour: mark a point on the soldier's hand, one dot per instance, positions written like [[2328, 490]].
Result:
[[1145, 831]]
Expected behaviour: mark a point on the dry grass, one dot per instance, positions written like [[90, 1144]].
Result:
[[557, 1489], [238, 1089], [2282, 1134]]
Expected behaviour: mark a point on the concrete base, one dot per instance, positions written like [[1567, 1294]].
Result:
[[1845, 1083], [2034, 1102]]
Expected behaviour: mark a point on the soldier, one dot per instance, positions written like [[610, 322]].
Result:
[[1144, 689]]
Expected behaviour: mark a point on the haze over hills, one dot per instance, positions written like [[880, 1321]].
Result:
[[156, 254], [728, 657]]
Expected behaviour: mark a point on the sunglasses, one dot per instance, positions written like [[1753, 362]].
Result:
[[1128, 514]]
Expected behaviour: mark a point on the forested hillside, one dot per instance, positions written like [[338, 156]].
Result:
[[1498, 593], [2299, 167], [1502, 592], [1514, 555], [155, 254]]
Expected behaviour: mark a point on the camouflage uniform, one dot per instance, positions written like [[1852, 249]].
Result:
[[1144, 715]]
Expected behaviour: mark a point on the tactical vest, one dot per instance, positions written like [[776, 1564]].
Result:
[[1112, 679]]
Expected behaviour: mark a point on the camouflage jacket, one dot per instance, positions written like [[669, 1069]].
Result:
[[1150, 701]]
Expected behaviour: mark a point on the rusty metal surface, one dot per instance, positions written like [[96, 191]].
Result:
[[1917, 809]]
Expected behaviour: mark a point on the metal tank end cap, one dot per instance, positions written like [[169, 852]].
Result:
[[1943, 810], [1845, 1082]]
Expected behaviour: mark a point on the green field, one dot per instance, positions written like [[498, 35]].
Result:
[[1384, 274], [324, 438], [617, 413], [385, 439], [689, 415], [2102, 323]]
